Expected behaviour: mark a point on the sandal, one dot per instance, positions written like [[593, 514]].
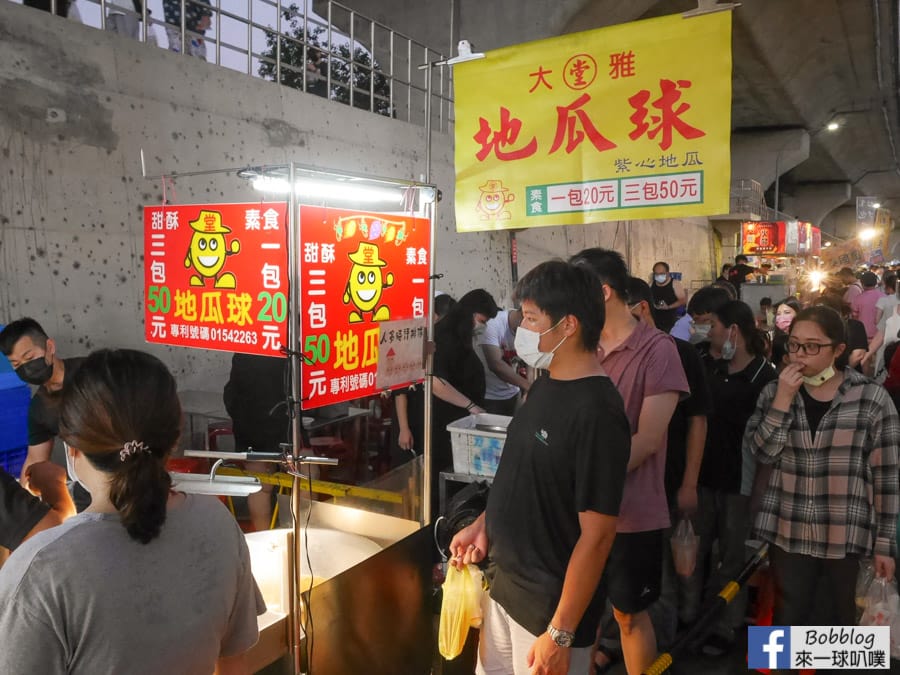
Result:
[[610, 657]]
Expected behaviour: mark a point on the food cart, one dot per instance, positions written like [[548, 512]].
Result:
[[791, 248], [333, 270]]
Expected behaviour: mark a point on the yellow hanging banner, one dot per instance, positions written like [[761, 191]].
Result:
[[627, 122]]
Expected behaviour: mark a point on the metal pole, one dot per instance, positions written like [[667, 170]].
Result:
[[428, 122], [777, 181], [183, 28], [294, 560], [352, 49], [429, 357], [278, 45], [249, 37]]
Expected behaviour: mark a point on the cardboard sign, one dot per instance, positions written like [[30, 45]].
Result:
[[357, 270], [215, 276]]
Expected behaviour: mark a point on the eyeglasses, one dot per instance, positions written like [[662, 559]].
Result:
[[809, 348]]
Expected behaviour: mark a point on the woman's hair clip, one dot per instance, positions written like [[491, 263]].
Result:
[[132, 448]]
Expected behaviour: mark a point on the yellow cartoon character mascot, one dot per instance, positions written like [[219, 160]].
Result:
[[207, 251], [493, 200], [366, 283]]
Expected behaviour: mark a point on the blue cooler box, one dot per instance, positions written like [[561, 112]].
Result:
[[15, 397]]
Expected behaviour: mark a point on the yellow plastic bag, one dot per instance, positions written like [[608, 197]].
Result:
[[460, 608]]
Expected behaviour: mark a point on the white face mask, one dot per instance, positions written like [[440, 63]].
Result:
[[728, 348], [821, 378], [528, 347], [70, 464], [699, 333], [660, 278]]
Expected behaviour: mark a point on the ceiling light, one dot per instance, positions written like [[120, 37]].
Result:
[[833, 126], [320, 190], [868, 234], [827, 244], [876, 205]]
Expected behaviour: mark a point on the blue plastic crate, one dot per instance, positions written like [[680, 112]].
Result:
[[12, 460], [14, 402]]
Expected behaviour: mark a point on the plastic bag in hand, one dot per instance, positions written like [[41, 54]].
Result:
[[882, 603], [684, 548], [460, 608], [863, 581]]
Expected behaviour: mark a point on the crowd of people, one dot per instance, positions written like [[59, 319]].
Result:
[[776, 426]]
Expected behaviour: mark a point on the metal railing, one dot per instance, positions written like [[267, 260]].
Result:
[[748, 196], [343, 55]]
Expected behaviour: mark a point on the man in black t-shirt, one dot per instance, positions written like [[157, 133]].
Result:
[[33, 356], [741, 272], [255, 397], [552, 510]]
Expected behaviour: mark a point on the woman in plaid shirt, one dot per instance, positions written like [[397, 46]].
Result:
[[831, 437]]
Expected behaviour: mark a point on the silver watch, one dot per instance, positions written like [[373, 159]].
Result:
[[562, 638]]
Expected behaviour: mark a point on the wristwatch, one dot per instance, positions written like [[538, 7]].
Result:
[[562, 638]]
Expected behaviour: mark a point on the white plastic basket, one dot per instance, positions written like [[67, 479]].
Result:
[[475, 451]]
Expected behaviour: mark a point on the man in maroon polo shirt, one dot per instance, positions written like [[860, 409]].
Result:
[[644, 365]]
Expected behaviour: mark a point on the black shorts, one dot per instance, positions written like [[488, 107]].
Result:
[[634, 570]]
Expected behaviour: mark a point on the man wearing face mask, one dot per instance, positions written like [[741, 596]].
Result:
[[551, 513], [32, 353]]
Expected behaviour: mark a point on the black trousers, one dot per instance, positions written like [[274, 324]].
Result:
[[813, 591]]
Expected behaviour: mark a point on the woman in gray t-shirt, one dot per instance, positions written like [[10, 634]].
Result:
[[146, 580]]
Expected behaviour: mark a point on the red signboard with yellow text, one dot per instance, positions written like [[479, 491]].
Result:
[[627, 122], [762, 238], [215, 276], [357, 270]]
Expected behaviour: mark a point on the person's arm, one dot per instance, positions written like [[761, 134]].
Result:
[[493, 355], [767, 430], [232, 665], [447, 392], [680, 295], [583, 573], [36, 453], [48, 481], [653, 424], [404, 437], [696, 440], [884, 462], [874, 346]]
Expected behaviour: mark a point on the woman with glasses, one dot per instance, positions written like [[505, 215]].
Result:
[[831, 437]]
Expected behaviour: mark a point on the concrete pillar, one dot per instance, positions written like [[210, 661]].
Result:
[[760, 154], [813, 201], [840, 222]]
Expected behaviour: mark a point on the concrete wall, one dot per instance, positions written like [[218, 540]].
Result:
[[78, 104]]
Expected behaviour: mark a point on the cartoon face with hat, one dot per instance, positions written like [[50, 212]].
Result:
[[207, 251], [366, 283], [493, 200]]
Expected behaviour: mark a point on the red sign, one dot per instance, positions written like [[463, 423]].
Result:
[[759, 238], [357, 269], [215, 276], [816, 245]]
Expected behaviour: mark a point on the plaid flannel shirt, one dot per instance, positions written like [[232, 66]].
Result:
[[837, 493]]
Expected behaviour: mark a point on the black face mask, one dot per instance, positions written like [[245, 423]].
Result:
[[37, 371]]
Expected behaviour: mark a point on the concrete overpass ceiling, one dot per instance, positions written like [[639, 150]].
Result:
[[797, 64], [805, 63]]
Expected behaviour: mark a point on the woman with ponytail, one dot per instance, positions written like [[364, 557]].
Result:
[[723, 515], [146, 580]]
